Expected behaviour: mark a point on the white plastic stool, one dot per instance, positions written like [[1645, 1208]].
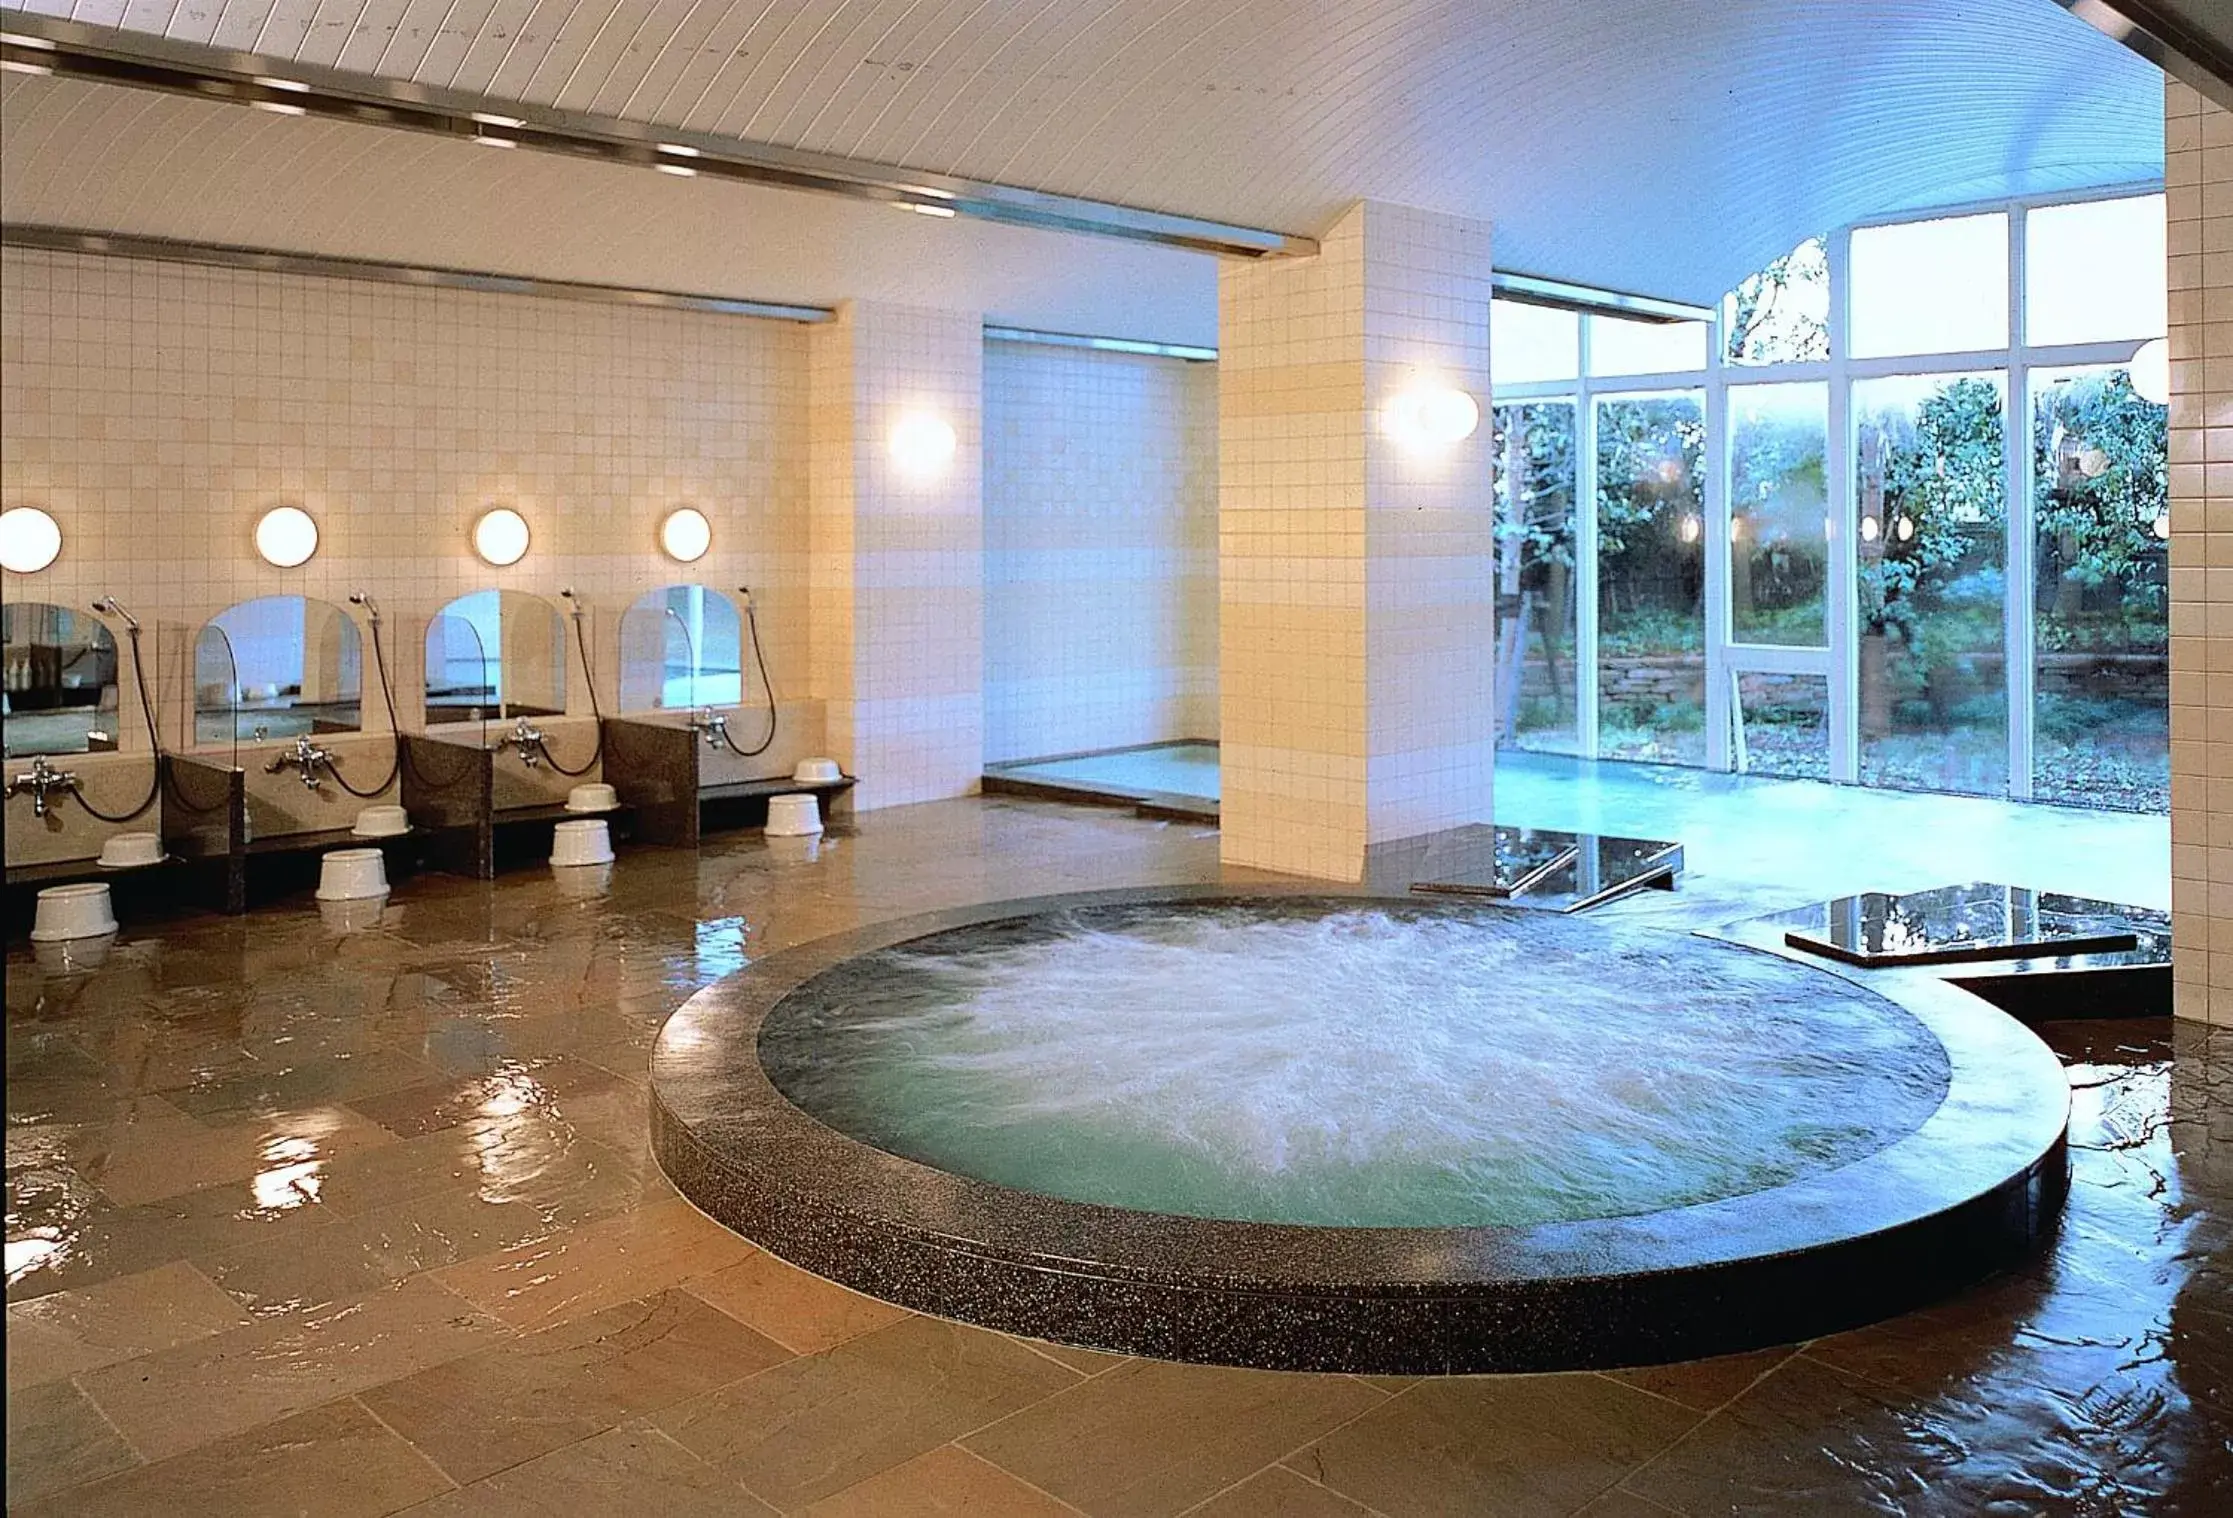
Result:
[[797, 815], [352, 875], [73, 911], [588, 841]]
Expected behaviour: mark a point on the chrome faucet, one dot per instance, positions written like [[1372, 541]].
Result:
[[306, 758], [715, 725], [527, 740], [40, 779]]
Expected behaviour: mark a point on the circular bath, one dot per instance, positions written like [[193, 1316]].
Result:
[[1327, 1132]]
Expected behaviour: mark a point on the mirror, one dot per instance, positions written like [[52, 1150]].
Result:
[[297, 667], [495, 653], [59, 693], [681, 646]]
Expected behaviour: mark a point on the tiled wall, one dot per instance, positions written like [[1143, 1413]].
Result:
[[2198, 170], [898, 555], [1100, 550], [158, 409], [1357, 637]]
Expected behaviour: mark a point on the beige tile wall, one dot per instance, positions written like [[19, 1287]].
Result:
[[157, 410], [2198, 171], [897, 558], [1100, 550], [1357, 620]]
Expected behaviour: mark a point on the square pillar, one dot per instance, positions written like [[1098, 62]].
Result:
[[1357, 637], [896, 548], [2198, 179]]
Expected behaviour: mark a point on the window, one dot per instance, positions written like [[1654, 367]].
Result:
[[1782, 314], [1532, 343], [2095, 271], [1930, 286], [1651, 584], [1619, 347], [1779, 503], [1536, 592]]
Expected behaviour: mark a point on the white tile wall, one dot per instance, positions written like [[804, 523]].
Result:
[[898, 559], [1100, 550], [2198, 173], [158, 409], [1357, 636]]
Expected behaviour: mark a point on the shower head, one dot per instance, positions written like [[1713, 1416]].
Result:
[[744, 593], [110, 606], [364, 599]]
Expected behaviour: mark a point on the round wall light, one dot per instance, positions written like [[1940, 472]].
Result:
[[500, 537], [1432, 416], [686, 535], [29, 539], [286, 537], [921, 443], [2151, 371]]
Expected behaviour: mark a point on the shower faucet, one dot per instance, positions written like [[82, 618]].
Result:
[[38, 780], [306, 758], [715, 725], [527, 739]]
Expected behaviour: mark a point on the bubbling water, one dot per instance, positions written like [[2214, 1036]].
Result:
[[1352, 1065]]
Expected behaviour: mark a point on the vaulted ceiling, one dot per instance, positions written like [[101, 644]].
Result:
[[1665, 146]]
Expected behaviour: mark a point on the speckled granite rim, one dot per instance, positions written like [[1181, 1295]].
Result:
[[1975, 1187]]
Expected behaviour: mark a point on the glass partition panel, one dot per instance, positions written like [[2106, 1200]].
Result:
[[1632, 347], [298, 667], [1779, 526], [59, 695], [1930, 286], [681, 646], [1782, 314], [1651, 645], [2095, 271], [513, 664], [1783, 725], [1535, 586], [1931, 495], [2101, 683], [461, 677], [1529, 344]]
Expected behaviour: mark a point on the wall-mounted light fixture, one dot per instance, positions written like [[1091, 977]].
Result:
[[922, 444], [1428, 416], [29, 539], [286, 537], [686, 535], [500, 536], [2151, 371]]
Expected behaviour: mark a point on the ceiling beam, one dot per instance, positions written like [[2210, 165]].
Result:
[[2161, 32]]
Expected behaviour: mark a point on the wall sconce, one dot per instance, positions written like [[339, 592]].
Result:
[[500, 537], [29, 539], [686, 535], [286, 537], [1431, 416], [2151, 371], [922, 443]]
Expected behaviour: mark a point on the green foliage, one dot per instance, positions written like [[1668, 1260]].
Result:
[[1650, 492], [1782, 314], [1535, 444], [2100, 461], [1944, 499]]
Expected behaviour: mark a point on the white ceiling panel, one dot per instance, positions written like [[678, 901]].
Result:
[[1666, 146]]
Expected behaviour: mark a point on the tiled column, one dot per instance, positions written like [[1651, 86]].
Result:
[[896, 552], [2198, 173], [1357, 632]]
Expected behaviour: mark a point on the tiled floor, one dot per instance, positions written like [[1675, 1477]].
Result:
[[365, 1224]]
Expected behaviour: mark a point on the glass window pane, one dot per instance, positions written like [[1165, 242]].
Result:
[[2102, 683], [1931, 488], [1783, 725], [1651, 582], [2095, 272], [1779, 526], [1535, 593], [1626, 347], [1530, 344], [1930, 286], [1782, 314]]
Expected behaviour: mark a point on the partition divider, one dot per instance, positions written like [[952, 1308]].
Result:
[[653, 768], [449, 789], [205, 826]]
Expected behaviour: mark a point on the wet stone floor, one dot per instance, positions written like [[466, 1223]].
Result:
[[361, 1224]]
